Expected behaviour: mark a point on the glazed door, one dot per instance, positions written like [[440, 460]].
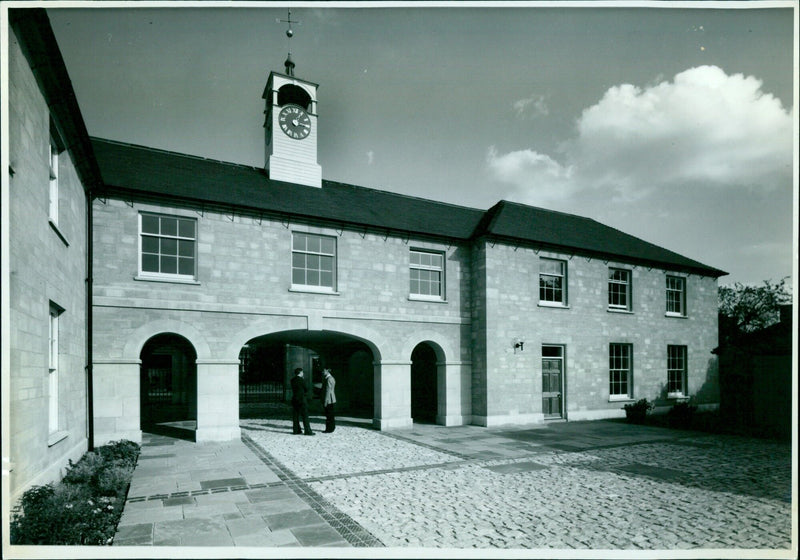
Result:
[[552, 381]]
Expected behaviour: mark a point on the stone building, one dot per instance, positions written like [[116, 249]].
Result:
[[209, 278]]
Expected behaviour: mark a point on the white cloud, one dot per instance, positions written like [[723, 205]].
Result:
[[532, 107], [704, 128]]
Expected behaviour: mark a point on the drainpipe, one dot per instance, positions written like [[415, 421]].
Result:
[[89, 327]]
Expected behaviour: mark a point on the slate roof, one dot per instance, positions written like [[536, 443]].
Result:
[[142, 173]]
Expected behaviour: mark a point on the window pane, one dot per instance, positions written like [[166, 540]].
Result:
[[298, 260], [169, 226], [298, 276], [326, 264], [312, 262], [186, 228], [299, 242], [328, 245], [414, 257], [149, 263], [312, 277], [169, 265], [169, 246], [313, 244], [149, 224], [186, 248], [186, 266], [326, 279], [149, 244]]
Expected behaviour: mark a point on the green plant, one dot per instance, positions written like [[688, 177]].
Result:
[[84, 509], [637, 412]]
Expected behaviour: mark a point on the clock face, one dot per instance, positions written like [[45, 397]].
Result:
[[294, 121]]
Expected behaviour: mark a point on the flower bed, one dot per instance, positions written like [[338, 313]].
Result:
[[85, 507]]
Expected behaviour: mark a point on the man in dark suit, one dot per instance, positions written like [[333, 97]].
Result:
[[300, 403]]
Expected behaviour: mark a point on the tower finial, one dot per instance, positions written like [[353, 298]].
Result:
[[289, 64]]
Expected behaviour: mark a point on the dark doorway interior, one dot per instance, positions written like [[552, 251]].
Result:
[[423, 384], [168, 386]]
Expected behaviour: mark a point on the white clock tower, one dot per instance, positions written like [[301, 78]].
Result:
[[291, 128]]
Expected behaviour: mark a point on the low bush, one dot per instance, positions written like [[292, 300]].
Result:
[[85, 507], [637, 412]]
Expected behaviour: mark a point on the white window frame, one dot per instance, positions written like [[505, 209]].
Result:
[[168, 276], [296, 251], [627, 283], [432, 268], [562, 275], [628, 371], [677, 369], [672, 290]]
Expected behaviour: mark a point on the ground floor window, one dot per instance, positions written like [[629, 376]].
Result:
[[620, 358], [52, 381], [676, 370]]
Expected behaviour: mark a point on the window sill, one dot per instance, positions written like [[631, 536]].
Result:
[[553, 305], [166, 279], [428, 299], [56, 437], [60, 235], [677, 397], [313, 290], [620, 398], [623, 311], [675, 315]]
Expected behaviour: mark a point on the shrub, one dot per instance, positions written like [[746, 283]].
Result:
[[84, 509], [637, 412], [681, 415]]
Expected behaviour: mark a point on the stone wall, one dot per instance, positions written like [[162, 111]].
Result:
[[586, 327], [243, 290], [47, 263]]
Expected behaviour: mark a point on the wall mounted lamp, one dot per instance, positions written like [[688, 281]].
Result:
[[518, 344]]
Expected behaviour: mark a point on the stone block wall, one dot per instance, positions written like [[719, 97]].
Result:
[[46, 263], [586, 327], [243, 290]]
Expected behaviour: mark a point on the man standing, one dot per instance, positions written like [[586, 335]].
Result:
[[300, 403], [329, 400]]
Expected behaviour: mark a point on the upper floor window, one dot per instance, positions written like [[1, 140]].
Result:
[[426, 272], [676, 371], [619, 289], [53, 194], [313, 261], [168, 246], [620, 366], [552, 282], [676, 295]]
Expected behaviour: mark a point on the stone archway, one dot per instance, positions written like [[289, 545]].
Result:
[[168, 386]]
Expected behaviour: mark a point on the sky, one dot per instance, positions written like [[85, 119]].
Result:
[[674, 123]]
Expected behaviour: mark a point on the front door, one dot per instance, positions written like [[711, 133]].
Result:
[[552, 381]]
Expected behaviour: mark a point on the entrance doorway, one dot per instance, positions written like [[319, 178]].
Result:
[[424, 397], [168, 385], [552, 381]]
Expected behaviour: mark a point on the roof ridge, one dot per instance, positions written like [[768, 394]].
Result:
[[402, 195], [172, 153]]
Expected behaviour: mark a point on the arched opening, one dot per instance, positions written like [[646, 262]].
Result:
[[424, 395], [267, 363], [168, 386], [291, 93]]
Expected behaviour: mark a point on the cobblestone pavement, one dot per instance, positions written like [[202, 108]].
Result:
[[580, 485]]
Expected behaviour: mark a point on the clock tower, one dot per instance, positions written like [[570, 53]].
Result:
[[291, 128]]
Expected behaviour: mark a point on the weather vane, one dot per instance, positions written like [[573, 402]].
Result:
[[289, 33]]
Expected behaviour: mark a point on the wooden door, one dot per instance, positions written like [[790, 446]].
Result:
[[552, 378]]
